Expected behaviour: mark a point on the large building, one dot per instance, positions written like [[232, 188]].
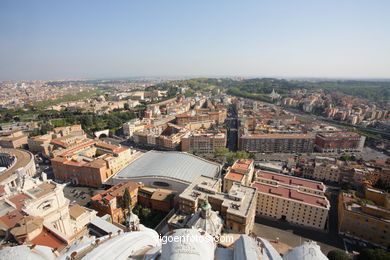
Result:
[[241, 172], [166, 136], [276, 143], [167, 170], [13, 164], [203, 142], [89, 162], [37, 213], [14, 139], [201, 115], [237, 207], [110, 201], [292, 199], [339, 142], [366, 218], [60, 137]]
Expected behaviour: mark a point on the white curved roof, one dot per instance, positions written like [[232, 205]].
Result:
[[25, 252], [188, 244], [125, 245], [177, 165], [307, 251]]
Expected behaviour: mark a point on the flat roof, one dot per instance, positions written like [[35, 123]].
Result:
[[176, 165], [205, 186], [280, 136], [340, 134]]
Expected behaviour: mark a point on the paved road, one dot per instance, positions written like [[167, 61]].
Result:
[[232, 123]]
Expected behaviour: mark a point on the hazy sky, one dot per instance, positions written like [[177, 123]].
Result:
[[290, 38]]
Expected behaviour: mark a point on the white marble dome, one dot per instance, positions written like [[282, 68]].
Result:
[[309, 250]]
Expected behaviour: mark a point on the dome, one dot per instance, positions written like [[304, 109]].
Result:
[[207, 220], [307, 251], [30, 252], [188, 244], [126, 245], [212, 224]]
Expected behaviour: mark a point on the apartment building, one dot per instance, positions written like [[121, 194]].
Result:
[[110, 201], [327, 169], [237, 207], [241, 173], [292, 199], [366, 218], [339, 142], [203, 141], [381, 173], [276, 143], [166, 136]]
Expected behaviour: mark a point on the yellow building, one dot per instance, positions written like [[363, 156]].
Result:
[[292, 199], [361, 219]]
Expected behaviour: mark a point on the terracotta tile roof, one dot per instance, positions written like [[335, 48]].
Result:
[[120, 149], [116, 190], [288, 180], [291, 194], [235, 176]]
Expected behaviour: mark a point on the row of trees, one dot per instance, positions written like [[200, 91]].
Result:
[[224, 155]]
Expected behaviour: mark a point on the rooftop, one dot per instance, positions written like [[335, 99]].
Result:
[[340, 134], [291, 181], [293, 194], [116, 190], [280, 136], [176, 165], [235, 176], [238, 201]]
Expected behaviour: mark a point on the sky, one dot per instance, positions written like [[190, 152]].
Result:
[[276, 38]]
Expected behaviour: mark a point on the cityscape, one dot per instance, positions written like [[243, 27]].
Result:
[[157, 165]]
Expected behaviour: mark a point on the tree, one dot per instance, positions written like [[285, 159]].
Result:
[[126, 198], [373, 254], [146, 212], [221, 151], [241, 155], [252, 156], [126, 106], [338, 255]]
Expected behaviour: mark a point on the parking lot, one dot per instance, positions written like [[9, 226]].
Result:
[[80, 195]]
